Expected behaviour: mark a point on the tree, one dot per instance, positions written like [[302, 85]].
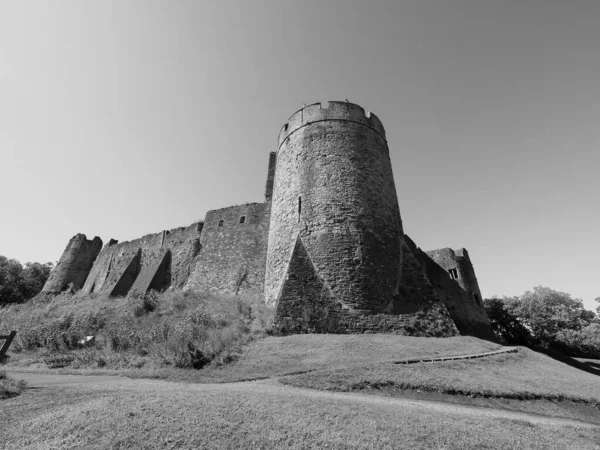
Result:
[[507, 326], [546, 312], [10, 275], [34, 277], [18, 283]]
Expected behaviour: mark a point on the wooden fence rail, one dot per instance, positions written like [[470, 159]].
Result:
[[7, 341]]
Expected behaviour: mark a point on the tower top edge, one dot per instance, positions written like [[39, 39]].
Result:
[[333, 110]]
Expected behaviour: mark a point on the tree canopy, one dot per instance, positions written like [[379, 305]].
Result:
[[548, 318], [19, 283]]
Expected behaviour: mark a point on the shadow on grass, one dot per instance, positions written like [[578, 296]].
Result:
[[592, 367]]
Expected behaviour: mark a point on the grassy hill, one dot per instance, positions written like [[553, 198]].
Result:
[[165, 336]]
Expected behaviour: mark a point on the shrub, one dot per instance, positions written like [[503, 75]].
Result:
[[10, 387], [431, 321], [145, 303]]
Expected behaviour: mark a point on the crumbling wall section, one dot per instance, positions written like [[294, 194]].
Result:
[[74, 265], [159, 260], [453, 276], [233, 249]]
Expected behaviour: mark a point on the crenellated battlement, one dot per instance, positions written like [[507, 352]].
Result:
[[334, 110]]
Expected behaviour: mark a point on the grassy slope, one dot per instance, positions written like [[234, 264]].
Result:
[[274, 356], [525, 375], [151, 414]]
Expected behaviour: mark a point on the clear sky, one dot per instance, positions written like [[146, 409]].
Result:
[[124, 118]]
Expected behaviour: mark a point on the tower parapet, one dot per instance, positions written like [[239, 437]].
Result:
[[335, 111]]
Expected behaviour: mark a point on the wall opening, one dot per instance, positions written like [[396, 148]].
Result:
[[477, 299], [453, 274], [221, 222], [242, 219], [299, 207]]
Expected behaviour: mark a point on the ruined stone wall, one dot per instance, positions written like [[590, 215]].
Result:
[[155, 261], [453, 276], [74, 265], [335, 190], [233, 250]]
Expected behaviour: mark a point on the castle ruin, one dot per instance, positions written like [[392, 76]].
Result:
[[326, 247]]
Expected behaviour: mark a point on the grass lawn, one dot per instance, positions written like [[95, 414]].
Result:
[[283, 355], [524, 375], [156, 414]]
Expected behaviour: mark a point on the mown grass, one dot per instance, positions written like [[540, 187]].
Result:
[[524, 375], [279, 355], [10, 387], [173, 329], [152, 414]]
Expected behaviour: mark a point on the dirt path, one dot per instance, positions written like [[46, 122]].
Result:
[[271, 386]]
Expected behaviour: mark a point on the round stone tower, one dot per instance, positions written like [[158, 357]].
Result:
[[334, 194]]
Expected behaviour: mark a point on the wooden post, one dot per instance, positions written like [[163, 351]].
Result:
[[7, 341]]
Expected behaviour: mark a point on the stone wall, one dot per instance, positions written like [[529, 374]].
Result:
[[335, 189], [306, 303], [326, 248], [461, 296], [155, 261], [270, 176], [74, 265], [233, 250]]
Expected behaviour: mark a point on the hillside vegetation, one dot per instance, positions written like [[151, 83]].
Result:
[[173, 329], [19, 283]]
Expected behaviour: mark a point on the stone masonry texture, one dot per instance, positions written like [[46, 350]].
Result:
[[326, 248], [233, 250], [74, 265], [334, 188]]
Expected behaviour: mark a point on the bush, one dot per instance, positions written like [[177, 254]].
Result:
[[9, 387], [431, 321], [145, 303]]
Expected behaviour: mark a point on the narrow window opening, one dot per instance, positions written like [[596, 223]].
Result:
[[453, 274], [242, 219], [221, 222], [477, 299], [299, 207]]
